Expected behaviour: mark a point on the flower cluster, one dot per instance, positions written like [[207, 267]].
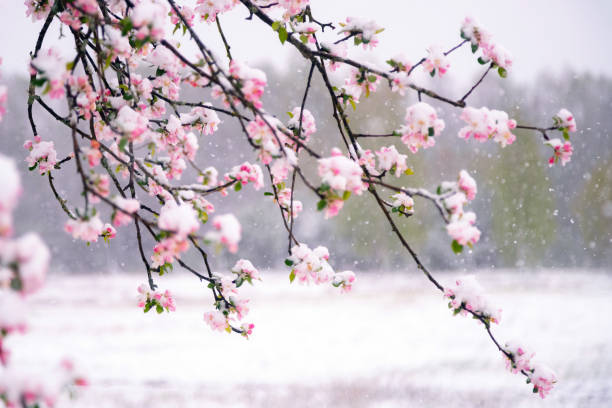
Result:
[[340, 176], [151, 299], [244, 174], [42, 155], [519, 360], [389, 159], [51, 69], [466, 295], [436, 61], [472, 31], [227, 231], [311, 266], [562, 149], [86, 229], [461, 224], [402, 203], [421, 125], [208, 9], [485, 124], [308, 123], [362, 30], [252, 82]]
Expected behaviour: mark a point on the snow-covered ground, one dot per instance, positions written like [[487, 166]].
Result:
[[392, 342]]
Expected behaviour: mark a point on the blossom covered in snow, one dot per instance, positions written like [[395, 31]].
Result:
[[129, 206], [201, 118], [11, 189], [180, 219], [132, 123], [160, 301], [284, 201], [208, 9], [245, 271], [543, 379], [245, 173], [42, 154], [309, 265], [217, 321], [30, 257], [363, 30], [564, 120], [421, 126], [389, 159], [344, 280], [479, 37], [562, 151], [227, 231], [85, 229], [402, 203], [265, 134], [341, 173], [50, 66], [467, 184], [293, 7], [462, 230], [252, 81], [149, 17], [3, 100], [436, 61], [484, 124], [38, 9], [466, 295], [308, 123], [520, 360]]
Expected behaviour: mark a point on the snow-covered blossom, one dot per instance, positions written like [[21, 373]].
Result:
[[227, 231], [181, 219], [209, 177], [344, 280], [201, 118], [461, 228], [293, 7], [498, 54], [252, 80], [562, 151], [565, 120], [117, 43], [149, 17], [341, 173], [168, 249], [421, 125], [309, 265], [12, 313], [38, 9], [479, 37], [85, 229], [467, 184], [129, 206], [543, 379], [360, 81], [50, 65], [484, 124], [148, 299], [403, 202], [217, 321], [42, 154], [3, 100], [245, 173], [472, 30], [363, 30], [187, 12], [389, 159], [521, 358], [247, 329], [265, 134], [108, 232], [401, 63], [436, 61], [208, 9], [466, 294], [245, 271], [284, 200], [31, 258], [133, 124], [308, 123]]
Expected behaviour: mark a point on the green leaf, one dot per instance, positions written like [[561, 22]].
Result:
[[321, 205], [433, 73], [430, 131], [282, 34], [502, 72], [288, 262], [33, 167], [291, 277], [474, 48], [276, 25], [409, 171], [352, 102], [290, 114], [566, 135], [481, 61], [238, 186], [394, 209], [267, 193], [122, 143], [346, 195], [159, 309], [372, 78], [457, 247]]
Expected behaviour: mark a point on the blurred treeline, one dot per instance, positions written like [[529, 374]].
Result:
[[530, 215]]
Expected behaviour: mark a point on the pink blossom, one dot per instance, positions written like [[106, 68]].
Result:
[[521, 358], [253, 81], [217, 321], [3, 100], [562, 151], [201, 118], [149, 299], [187, 12], [363, 30], [454, 203], [245, 270], [50, 65], [129, 206], [246, 173], [11, 190], [293, 7], [344, 280], [421, 125], [543, 379], [461, 228], [168, 249], [85, 229], [467, 184], [284, 200], [32, 257], [149, 18], [403, 202], [310, 266], [133, 124], [227, 231], [208, 9], [181, 219], [266, 137], [308, 123], [108, 232], [42, 154], [467, 295], [390, 159], [484, 124], [565, 120], [247, 329], [341, 173], [38, 9], [436, 61], [333, 207]]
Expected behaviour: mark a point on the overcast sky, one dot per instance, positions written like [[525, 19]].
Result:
[[541, 35]]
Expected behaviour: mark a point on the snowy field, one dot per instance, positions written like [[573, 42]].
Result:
[[392, 342]]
